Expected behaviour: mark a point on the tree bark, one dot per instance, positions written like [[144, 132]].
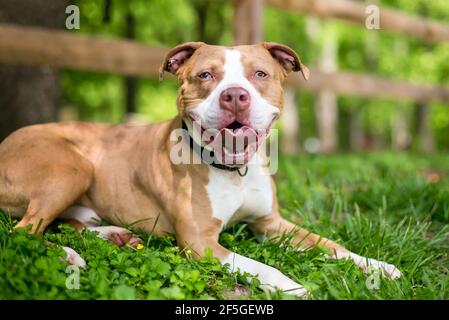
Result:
[[131, 83], [29, 95]]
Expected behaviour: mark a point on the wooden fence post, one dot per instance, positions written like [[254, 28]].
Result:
[[356, 131], [326, 107], [424, 131], [290, 143], [401, 138], [247, 21]]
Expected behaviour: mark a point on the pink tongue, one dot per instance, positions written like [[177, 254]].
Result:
[[235, 132], [237, 140]]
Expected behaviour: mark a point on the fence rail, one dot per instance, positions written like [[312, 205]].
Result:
[[64, 50], [59, 49], [349, 10]]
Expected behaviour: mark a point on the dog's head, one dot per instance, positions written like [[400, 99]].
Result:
[[232, 90]]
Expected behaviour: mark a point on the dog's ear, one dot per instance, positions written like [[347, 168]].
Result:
[[177, 56], [287, 58]]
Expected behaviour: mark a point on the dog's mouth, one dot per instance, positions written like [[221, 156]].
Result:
[[233, 144], [234, 126]]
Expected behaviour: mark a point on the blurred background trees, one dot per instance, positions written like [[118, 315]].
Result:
[[338, 123], [29, 94]]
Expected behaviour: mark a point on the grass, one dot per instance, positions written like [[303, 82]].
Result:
[[392, 207]]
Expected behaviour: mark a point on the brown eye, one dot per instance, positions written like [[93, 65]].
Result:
[[260, 74], [205, 76]]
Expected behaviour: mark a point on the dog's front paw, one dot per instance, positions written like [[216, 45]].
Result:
[[299, 292], [120, 236], [73, 258], [277, 280], [369, 265], [387, 270]]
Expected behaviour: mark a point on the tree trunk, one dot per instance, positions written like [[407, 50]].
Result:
[[29, 95], [131, 83]]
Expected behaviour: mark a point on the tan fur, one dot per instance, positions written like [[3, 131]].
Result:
[[124, 172]]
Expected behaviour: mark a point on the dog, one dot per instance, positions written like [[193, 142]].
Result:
[[126, 174]]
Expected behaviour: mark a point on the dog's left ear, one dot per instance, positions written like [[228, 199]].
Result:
[[177, 56], [287, 58]]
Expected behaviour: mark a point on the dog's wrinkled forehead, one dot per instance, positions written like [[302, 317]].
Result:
[[190, 57]]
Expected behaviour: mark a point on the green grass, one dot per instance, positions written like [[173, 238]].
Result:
[[391, 207]]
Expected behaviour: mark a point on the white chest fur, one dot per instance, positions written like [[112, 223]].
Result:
[[235, 198]]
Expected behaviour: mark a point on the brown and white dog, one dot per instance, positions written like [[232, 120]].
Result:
[[125, 175]]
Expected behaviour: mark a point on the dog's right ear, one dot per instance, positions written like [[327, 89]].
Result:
[[177, 56]]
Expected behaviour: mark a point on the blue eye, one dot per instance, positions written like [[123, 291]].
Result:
[[205, 76], [260, 74]]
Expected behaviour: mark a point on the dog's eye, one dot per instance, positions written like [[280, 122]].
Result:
[[260, 74], [205, 76]]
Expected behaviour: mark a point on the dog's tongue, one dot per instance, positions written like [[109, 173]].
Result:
[[235, 141]]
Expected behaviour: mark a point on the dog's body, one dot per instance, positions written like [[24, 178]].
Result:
[[125, 174]]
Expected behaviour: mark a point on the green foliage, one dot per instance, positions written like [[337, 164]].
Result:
[[385, 206], [170, 22]]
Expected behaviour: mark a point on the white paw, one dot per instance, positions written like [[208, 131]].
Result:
[[370, 265], [278, 280], [387, 270], [299, 292], [73, 258]]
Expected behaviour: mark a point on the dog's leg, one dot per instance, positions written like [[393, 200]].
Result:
[[274, 225], [85, 218], [270, 278], [80, 218], [47, 206], [55, 187]]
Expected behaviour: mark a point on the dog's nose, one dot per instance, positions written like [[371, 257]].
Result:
[[235, 100]]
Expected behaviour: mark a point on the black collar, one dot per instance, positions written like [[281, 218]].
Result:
[[199, 150]]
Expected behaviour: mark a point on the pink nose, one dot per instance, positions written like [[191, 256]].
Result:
[[235, 100]]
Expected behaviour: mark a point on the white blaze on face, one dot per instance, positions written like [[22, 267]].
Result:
[[209, 113]]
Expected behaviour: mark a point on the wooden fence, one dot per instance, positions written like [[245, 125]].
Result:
[[70, 50], [67, 50]]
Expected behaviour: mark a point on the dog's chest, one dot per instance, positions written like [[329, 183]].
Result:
[[234, 198]]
